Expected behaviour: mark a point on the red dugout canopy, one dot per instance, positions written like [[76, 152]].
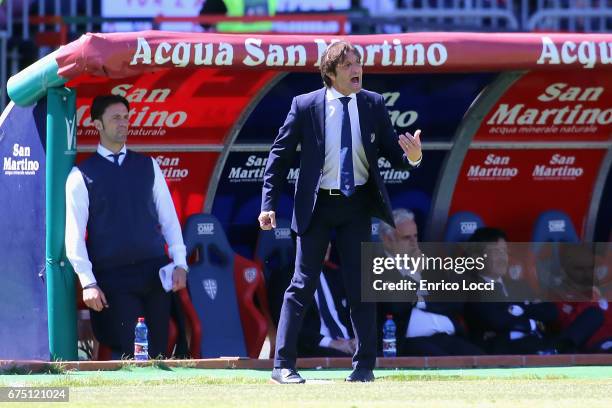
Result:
[[118, 55], [125, 54]]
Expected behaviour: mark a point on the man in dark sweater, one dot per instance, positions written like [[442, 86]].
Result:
[[510, 319], [119, 216]]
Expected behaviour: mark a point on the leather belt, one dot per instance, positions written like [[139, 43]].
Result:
[[335, 192]]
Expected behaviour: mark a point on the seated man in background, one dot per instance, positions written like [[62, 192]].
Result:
[[327, 330], [501, 321], [581, 304], [424, 327]]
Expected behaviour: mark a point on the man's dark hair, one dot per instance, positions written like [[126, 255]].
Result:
[[477, 243], [488, 234], [335, 54], [101, 102]]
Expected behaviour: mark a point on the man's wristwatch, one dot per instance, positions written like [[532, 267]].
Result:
[[91, 285], [185, 267]]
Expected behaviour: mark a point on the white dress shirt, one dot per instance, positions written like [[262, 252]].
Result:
[[425, 323], [77, 214], [334, 111], [333, 132]]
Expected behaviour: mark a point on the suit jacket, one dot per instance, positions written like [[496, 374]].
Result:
[[490, 315], [305, 125]]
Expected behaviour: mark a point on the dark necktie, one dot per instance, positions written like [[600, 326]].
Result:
[[115, 157], [347, 178], [334, 330]]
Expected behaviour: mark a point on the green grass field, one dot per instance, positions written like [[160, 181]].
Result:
[[575, 387]]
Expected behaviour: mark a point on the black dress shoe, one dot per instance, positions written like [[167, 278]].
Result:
[[286, 376], [361, 375]]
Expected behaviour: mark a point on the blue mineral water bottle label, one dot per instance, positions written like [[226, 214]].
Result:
[[389, 346], [141, 351]]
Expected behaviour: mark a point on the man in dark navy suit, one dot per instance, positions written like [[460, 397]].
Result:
[[341, 129]]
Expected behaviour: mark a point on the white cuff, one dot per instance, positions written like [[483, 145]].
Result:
[[415, 163], [178, 254], [516, 335], [184, 266], [86, 278]]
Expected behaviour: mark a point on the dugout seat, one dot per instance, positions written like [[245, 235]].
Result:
[[275, 254], [551, 228], [224, 288], [461, 225]]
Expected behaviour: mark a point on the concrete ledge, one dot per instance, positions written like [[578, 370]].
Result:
[[402, 362], [505, 361]]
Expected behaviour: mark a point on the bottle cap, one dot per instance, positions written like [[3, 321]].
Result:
[[141, 320], [389, 316]]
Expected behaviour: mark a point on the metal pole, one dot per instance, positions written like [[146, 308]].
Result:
[[61, 293], [25, 23], [41, 12], [3, 75], [89, 11], [42, 26], [9, 18], [73, 13], [57, 12]]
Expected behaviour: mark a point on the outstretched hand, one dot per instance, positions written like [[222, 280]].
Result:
[[411, 145]]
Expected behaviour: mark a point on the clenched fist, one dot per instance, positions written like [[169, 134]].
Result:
[[267, 220]]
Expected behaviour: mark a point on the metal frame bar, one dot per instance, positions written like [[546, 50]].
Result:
[[570, 14], [3, 71], [598, 190], [231, 138], [439, 14], [443, 193]]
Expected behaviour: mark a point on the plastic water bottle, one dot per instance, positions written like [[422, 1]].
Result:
[[388, 341], [141, 340]]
